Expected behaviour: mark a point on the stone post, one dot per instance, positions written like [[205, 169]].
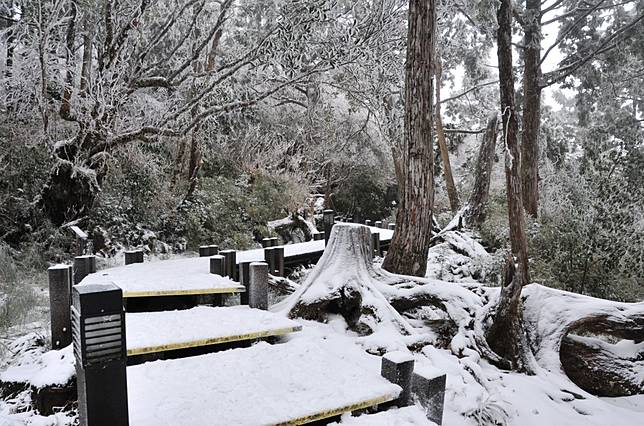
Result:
[[60, 300], [258, 285], [274, 241], [328, 218], [397, 367], [392, 226], [133, 256], [367, 222], [318, 236], [83, 266], [99, 346], [378, 224], [213, 249], [266, 242], [429, 389], [204, 251]]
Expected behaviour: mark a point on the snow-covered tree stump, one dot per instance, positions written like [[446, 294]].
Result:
[[344, 282]]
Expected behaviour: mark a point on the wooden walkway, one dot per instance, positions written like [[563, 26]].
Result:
[[152, 332], [292, 383]]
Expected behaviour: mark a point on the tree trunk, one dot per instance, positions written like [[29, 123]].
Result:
[[452, 193], [475, 212], [506, 336], [531, 108], [408, 251]]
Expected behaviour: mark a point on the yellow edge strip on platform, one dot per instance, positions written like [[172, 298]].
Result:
[[213, 341], [190, 292], [338, 411]]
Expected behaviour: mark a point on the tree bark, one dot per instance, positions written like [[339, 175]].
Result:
[[475, 212], [531, 108], [506, 336], [452, 193], [408, 251]]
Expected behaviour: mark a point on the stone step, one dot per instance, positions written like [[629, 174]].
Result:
[[153, 332], [297, 382]]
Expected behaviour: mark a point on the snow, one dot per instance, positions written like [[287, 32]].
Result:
[[176, 275], [54, 367], [264, 384], [155, 329], [412, 415]]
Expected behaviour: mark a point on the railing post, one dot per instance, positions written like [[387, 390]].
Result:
[[218, 265], [60, 298], [269, 259], [278, 256], [244, 279], [397, 367], [328, 218], [375, 244], [133, 256], [83, 266], [230, 263], [99, 346], [258, 285], [429, 389]]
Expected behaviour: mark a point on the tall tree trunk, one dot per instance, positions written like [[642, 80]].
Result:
[[408, 251], [454, 202], [475, 213], [506, 336], [531, 108]]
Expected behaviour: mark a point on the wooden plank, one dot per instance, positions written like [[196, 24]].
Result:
[[188, 292], [213, 341], [339, 411]]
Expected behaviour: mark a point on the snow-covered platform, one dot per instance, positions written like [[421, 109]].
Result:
[[291, 383], [151, 332], [176, 277]]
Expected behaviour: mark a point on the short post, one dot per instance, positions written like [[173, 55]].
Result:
[[266, 242], [258, 285], [274, 242], [60, 299], [204, 251], [133, 256], [244, 279], [99, 346], [278, 256], [367, 222], [218, 265], [391, 226], [350, 219], [230, 263], [317, 236], [269, 259], [375, 244], [81, 240], [378, 224], [397, 367], [83, 266], [213, 249], [429, 389], [328, 218]]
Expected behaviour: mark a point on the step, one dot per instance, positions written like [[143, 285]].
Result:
[[152, 332], [175, 277], [297, 382]]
